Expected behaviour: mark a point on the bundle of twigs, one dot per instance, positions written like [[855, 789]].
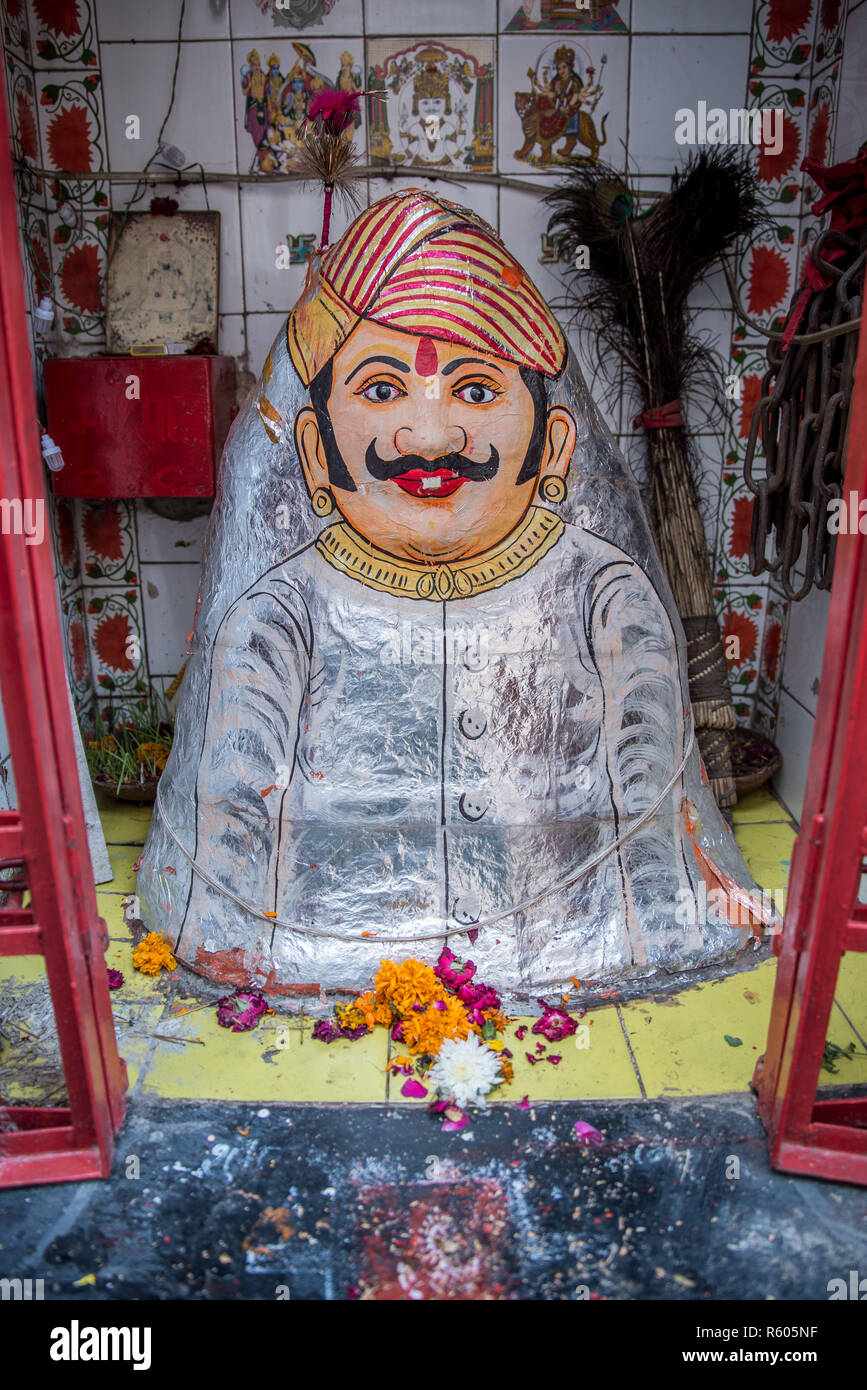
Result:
[[632, 297]]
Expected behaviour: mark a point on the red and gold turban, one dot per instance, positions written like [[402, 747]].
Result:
[[419, 263]]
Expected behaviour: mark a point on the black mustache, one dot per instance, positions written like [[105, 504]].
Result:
[[384, 469]]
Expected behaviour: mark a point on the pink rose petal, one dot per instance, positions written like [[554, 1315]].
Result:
[[586, 1134], [523, 1103], [413, 1088], [449, 1126]]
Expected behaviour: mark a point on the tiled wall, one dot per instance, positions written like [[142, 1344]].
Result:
[[77, 69], [807, 620]]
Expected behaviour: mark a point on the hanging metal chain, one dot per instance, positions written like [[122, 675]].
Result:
[[801, 423]]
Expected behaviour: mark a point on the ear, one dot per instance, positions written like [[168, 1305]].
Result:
[[308, 444], [560, 436]]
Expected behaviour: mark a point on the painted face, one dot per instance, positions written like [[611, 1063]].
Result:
[[428, 107], [434, 436]]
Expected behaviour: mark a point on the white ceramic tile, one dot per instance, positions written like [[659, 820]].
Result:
[[162, 540], [169, 604], [808, 622], [523, 224], [271, 150], [794, 737], [125, 20], [264, 21], [691, 17], [262, 329], [233, 335], [271, 212], [137, 81], [525, 17], [422, 17], [609, 58], [670, 73], [852, 94]]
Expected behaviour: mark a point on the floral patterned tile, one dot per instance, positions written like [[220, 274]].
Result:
[[76, 646], [65, 537], [820, 127], [72, 127], [783, 34], [778, 171], [79, 255], [765, 714], [63, 32], [108, 542], [766, 272], [16, 38], [21, 91], [36, 256], [741, 612], [116, 641], [830, 32], [773, 650]]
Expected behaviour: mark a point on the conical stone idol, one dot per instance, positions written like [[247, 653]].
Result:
[[437, 693]]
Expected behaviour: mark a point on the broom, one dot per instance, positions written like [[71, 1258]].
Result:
[[633, 298]]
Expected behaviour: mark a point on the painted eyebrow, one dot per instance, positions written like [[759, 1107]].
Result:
[[464, 361], [390, 361]]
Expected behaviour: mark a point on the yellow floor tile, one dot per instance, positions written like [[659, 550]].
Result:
[[759, 805], [767, 850], [123, 822], [279, 1060], [603, 1068], [851, 991], [680, 1045], [851, 1071], [122, 858]]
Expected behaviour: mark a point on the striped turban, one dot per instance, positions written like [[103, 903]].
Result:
[[421, 264]]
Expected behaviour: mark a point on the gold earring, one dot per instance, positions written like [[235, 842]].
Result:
[[553, 489], [322, 501]]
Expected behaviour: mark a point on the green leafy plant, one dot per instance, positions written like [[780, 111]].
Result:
[[125, 752]]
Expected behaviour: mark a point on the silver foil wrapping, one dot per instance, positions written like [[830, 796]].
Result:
[[357, 775]]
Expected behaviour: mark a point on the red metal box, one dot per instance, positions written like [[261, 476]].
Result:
[[138, 426]]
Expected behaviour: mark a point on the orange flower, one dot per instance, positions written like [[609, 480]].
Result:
[[426, 1032], [506, 1068], [152, 953], [406, 984], [154, 753]]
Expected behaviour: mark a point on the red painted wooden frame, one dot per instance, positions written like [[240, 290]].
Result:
[[826, 1138], [45, 842]]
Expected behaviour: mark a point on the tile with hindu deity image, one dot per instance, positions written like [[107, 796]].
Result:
[[437, 108]]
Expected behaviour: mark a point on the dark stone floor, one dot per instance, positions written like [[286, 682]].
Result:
[[216, 1201]]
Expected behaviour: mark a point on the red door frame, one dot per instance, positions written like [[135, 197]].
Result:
[[45, 839], [826, 1138]]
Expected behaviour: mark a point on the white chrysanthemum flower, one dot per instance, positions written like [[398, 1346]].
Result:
[[465, 1071]]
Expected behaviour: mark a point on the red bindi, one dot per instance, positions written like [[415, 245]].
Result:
[[426, 362]]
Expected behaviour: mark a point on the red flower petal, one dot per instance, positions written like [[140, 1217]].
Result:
[[742, 525], [523, 1103], [740, 626], [81, 278], [69, 139], [786, 18], [752, 394], [26, 126], [770, 167], [110, 641], [769, 279], [102, 531], [413, 1088], [817, 144], [773, 638], [60, 16]]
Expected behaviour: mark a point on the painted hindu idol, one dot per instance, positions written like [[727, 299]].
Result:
[[438, 692]]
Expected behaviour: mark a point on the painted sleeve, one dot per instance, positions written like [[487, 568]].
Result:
[[259, 674], [636, 655]]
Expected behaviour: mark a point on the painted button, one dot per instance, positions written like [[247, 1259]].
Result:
[[472, 806], [473, 723], [467, 909], [475, 657]]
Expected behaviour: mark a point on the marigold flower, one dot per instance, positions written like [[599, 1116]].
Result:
[[401, 986], [152, 954], [426, 1032]]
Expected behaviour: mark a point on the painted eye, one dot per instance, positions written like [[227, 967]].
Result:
[[381, 392], [476, 394]]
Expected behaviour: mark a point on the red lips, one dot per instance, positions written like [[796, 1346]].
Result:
[[418, 482]]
